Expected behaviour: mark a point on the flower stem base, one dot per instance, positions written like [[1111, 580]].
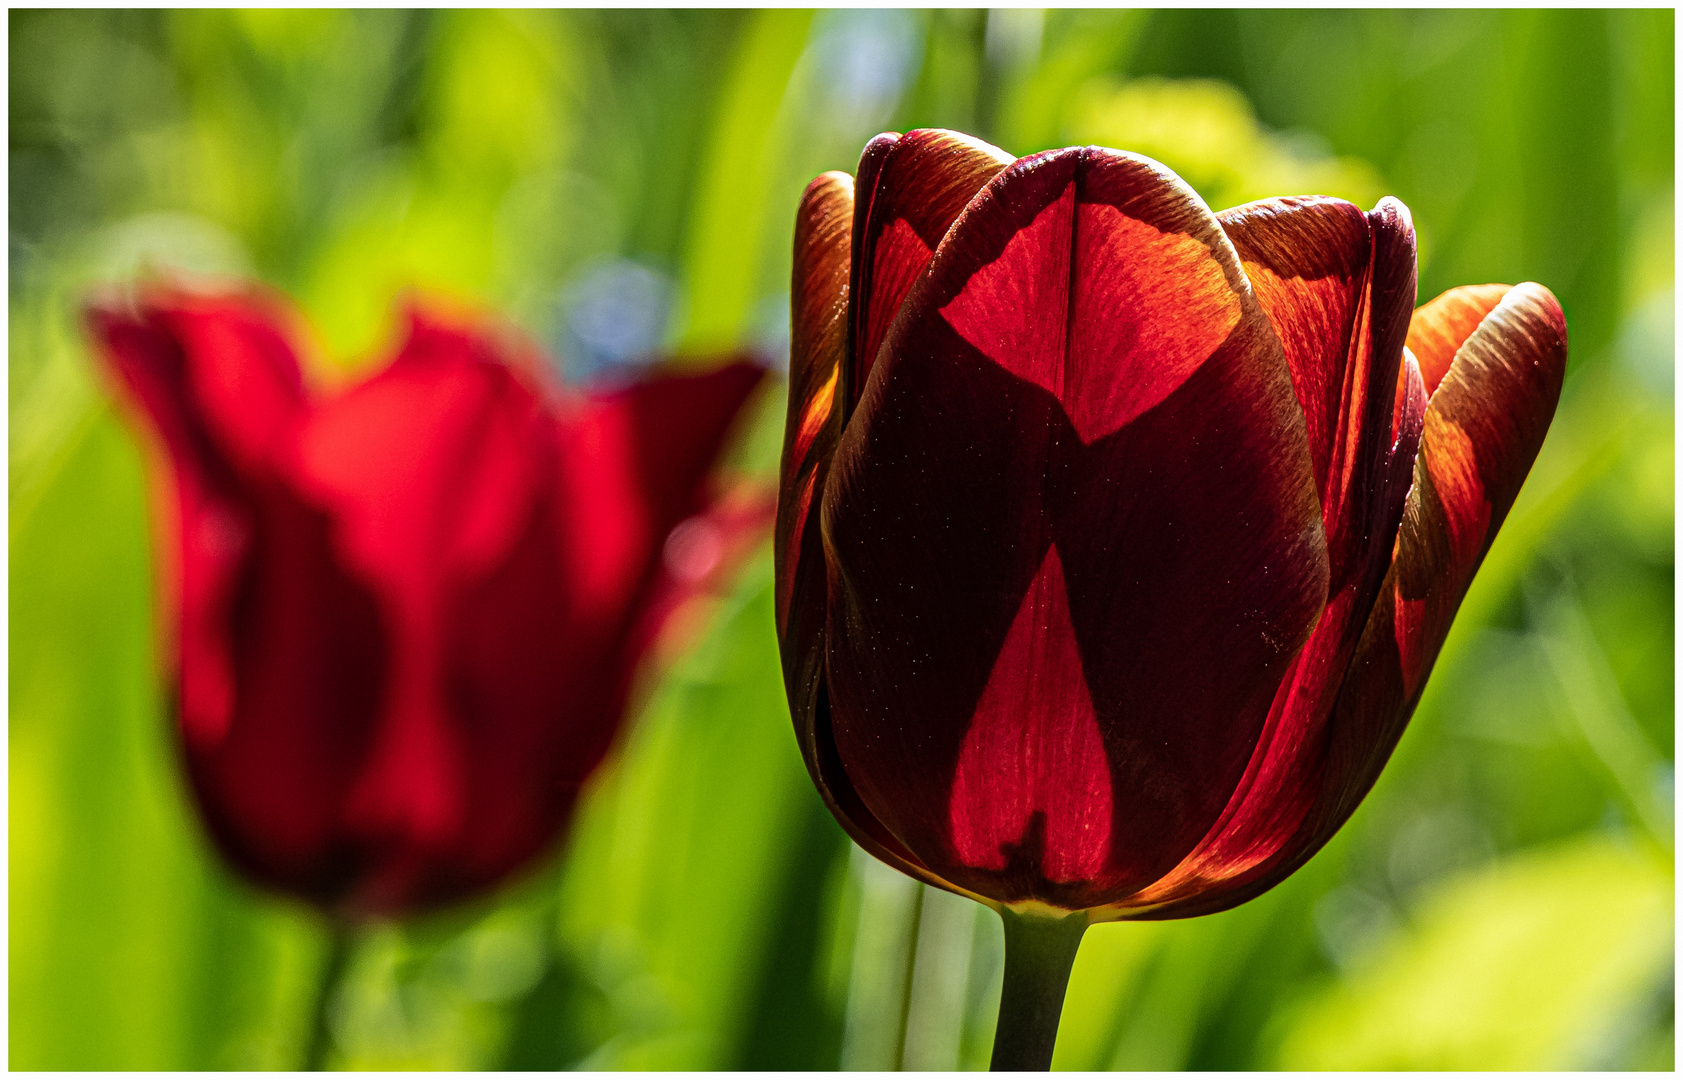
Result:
[[320, 1036], [1039, 952]]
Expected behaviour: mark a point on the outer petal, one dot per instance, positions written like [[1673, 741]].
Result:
[[217, 376], [539, 658], [1439, 327], [1484, 425], [279, 651], [818, 296], [181, 361], [1310, 261], [911, 189], [1338, 286], [1079, 456], [1483, 429], [698, 562], [661, 438]]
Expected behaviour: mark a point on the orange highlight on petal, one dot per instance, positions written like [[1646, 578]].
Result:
[[813, 419], [1453, 463]]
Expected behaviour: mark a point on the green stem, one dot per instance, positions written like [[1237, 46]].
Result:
[[332, 971], [911, 970], [1039, 952]]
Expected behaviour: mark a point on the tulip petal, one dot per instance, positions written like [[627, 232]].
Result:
[[666, 433], [1092, 277], [1439, 327], [279, 654], [1308, 259], [514, 555], [819, 289], [818, 338], [523, 650], [1482, 430], [539, 672], [426, 463], [818, 298], [1337, 285], [670, 430], [310, 655], [1484, 426], [911, 189], [432, 471], [1084, 370], [1408, 411], [208, 368], [1035, 708]]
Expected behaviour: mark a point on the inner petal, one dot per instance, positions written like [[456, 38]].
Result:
[[1108, 313], [1033, 782]]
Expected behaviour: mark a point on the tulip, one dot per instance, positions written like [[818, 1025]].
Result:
[[402, 620], [1116, 539]]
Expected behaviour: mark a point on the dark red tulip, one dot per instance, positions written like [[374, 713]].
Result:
[[403, 619], [1117, 538]]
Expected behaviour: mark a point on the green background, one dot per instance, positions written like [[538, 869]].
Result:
[[1502, 900]]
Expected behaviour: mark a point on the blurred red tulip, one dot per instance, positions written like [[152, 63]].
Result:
[[1117, 538], [404, 618]]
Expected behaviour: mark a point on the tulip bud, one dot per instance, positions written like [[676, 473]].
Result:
[[1117, 538], [402, 620]]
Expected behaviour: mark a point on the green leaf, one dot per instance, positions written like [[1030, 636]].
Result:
[[130, 947], [729, 215], [684, 850], [1532, 963]]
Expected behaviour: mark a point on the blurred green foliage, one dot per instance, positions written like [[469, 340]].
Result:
[[1503, 898]]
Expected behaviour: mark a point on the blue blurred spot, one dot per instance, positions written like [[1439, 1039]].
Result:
[[769, 329], [1647, 344], [1665, 786], [865, 59], [615, 315]]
